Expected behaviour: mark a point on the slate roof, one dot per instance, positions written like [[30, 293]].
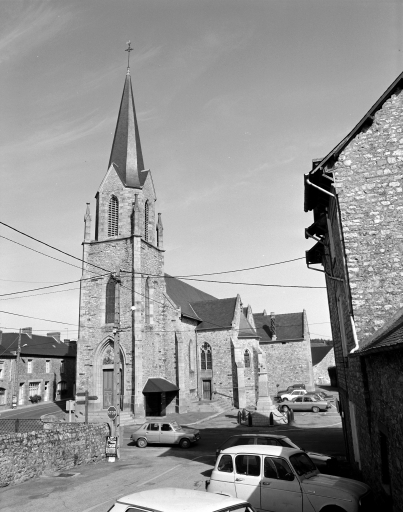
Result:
[[289, 327], [245, 328], [126, 154], [390, 336], [319, 353], [42, 346], [215, 314], [183, 294]]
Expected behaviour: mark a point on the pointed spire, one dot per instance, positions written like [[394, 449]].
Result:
[[87, 224], [126, 155], [160, 230]]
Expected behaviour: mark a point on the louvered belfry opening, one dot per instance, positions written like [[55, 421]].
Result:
[[113, 217], [110, 302], [146, 215]]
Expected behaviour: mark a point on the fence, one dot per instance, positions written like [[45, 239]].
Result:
[[11, 426]]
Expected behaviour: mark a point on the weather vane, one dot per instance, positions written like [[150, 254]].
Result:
[[128, 50]]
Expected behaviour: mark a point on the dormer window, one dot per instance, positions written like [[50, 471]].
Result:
[[113, 216]]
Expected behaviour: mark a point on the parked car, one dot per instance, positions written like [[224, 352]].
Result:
[[179, 500], [296, 386], [164, 432], [293, 394], [278, 479], [322, 461], [304, 403], [322, 395]]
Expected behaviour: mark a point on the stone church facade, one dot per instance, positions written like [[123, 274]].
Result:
[[178, 345]]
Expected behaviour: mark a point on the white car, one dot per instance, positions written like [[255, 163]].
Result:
[[277, 479], [293, 394], [179, 500]]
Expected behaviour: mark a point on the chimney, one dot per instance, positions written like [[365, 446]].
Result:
[[273, 325], [70, 342], [27, 330], [55, 335]]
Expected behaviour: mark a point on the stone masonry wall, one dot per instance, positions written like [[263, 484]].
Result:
[[223, 380], [58, 447], [369, 176], [286, 364], [384, 372]]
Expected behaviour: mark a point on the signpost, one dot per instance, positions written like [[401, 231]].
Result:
[[112, 412], [111, 447], [70, 406], [85, 402]]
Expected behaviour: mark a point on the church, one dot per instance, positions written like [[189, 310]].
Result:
[[178, 346]]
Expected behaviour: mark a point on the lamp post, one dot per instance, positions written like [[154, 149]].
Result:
[[17, 362]]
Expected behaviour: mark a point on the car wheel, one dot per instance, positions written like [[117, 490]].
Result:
[[284, 408], [315, 409], [185, 443], [141, 443]]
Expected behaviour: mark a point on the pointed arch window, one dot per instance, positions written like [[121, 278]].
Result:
[[146, 219], [110, 301], [206, 357], [113, 216], [246, 358]]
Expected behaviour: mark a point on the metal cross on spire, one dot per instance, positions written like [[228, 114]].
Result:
[[128, 50]]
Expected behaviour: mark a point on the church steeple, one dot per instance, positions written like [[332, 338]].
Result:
[[126, 155]]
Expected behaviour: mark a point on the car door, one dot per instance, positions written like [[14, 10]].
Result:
[[167, 434], [153, 433], [308, 403], [247, 478], [280, 489], [297, 404]]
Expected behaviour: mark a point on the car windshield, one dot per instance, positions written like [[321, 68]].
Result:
[[303, 465], [239, 508], [176, 427]]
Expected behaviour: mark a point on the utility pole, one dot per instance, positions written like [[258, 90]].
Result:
[[116, 363], [17, 364]]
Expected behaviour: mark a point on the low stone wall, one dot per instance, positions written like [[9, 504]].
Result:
[[57, 447]]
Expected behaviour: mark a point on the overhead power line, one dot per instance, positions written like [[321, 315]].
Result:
[[35, 318]]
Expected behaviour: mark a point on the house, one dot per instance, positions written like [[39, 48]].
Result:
[[150, 343], [45, 366], [355, 194]]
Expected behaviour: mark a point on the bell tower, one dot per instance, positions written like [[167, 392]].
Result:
[[128, 241]]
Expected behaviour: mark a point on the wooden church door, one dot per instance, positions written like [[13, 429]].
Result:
[[108, 388]]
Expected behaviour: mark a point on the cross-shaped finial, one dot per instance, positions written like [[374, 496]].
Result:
[[128, 50]]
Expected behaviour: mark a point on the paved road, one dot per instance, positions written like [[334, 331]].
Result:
[[34, 411], [93, 488]]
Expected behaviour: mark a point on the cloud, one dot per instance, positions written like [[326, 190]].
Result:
[[59, 134], [24, 27]]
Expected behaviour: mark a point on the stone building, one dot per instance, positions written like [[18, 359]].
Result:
[[46, 367], [355, 193], [178, 346], [286, 344]]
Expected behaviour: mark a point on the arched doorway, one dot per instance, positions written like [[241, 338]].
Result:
[[107, 378]]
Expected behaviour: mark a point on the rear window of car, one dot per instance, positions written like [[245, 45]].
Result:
[[237, 441], [268, 441]]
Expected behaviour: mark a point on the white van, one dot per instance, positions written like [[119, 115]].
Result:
[[278, 479]]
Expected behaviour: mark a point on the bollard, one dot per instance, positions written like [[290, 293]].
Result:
[[271, 419], [290, 416]]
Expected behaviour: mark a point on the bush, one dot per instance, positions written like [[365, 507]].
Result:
[[35, 398]]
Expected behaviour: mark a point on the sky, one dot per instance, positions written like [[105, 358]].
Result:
[[234, 99]]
